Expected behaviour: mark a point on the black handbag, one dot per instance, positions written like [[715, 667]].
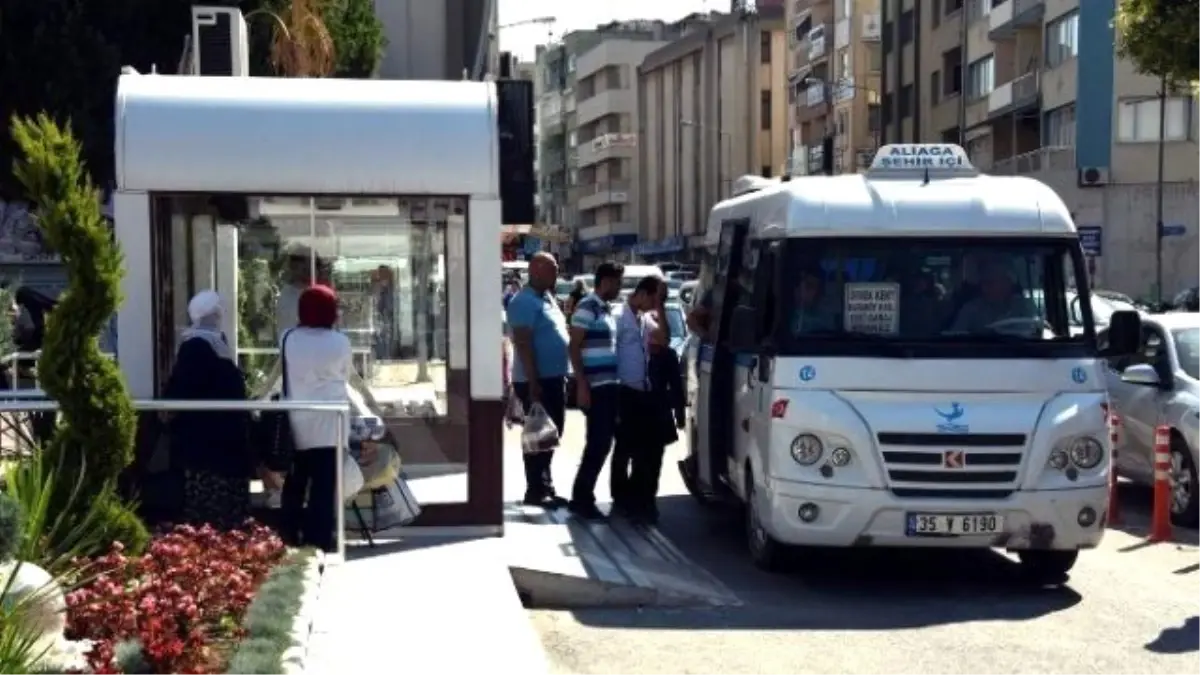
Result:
[[275, 440]]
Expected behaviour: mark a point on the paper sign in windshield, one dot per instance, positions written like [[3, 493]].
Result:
[[873, 308]]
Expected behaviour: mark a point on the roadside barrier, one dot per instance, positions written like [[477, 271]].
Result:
[[1160, 525], [1114, 433]]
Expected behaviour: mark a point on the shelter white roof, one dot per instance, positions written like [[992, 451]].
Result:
[[305, 136]]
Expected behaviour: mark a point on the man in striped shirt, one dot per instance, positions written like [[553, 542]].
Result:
[[593, 352]]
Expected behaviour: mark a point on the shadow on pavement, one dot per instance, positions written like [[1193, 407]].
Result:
[[1135, 505], [843, 589], [359, 550], [1181, 640]]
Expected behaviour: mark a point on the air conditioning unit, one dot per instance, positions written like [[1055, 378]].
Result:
[[220, 44], [1093, 176]]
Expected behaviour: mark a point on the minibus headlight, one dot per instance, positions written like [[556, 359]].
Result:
[[807, 449], [1085, 452]]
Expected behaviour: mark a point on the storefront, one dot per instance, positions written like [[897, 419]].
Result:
[[669, 249], [261, 185], [614, 247]]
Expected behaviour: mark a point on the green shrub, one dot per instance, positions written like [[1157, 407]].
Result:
[[268, 620], [96, 417]]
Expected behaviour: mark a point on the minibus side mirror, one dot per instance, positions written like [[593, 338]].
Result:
[[1124, 333], [742, 334]]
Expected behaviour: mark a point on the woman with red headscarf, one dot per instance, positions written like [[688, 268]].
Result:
[[317, 367]]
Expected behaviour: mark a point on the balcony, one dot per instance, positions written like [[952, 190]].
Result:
[[814, 95], [1042, 159], [608, 146], [1014, 96], [1007, 18], [872, 30], [844, 90], [550, 108], [602, 194], [817, 42], [608, 102]]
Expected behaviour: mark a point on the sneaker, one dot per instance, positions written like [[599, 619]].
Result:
[[550, 502], [586, 511]]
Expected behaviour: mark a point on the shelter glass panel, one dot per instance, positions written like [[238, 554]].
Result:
[[395, 264]]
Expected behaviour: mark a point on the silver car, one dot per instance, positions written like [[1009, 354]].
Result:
[[1161, 385]]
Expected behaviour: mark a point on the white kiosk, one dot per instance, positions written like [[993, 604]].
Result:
[[218, 174]]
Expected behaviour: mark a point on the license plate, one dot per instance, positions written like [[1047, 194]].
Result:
[[951, 525]]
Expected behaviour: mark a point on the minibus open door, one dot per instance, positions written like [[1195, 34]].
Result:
[[715, 428]]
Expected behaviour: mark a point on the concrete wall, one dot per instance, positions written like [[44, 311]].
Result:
[[434, 39]]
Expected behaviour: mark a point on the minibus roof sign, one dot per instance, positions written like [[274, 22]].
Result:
[[922, 160]]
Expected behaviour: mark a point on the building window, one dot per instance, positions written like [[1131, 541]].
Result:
[[874, 57], [950, 135], [953, 6], [887, 36], [935, 86], [766, 171], [1062, 39], [1137, 121], [936, 15], [873, 125], [952, 66], [906, 27], [887, 110], [906, 102], [764, 110], [1060, 127], [981, 77], [843, 123], [764, 47], [844, 71]]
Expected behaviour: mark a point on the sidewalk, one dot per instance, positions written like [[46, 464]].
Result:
[[424, 605]]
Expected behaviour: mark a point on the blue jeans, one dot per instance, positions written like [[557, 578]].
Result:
[[601, 429]]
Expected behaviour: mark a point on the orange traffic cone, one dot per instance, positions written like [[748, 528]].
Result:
[[1160, 525], [1114, 431]]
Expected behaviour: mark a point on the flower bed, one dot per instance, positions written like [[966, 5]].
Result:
[[180, 604]]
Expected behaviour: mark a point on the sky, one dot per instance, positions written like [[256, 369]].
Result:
[[578, 14]]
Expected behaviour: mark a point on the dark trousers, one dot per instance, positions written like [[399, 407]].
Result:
[[637, 458], [601, 429], [539, 484], [311, 522]]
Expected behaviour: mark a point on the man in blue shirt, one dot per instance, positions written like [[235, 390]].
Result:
[[539, 371], [594, 358]]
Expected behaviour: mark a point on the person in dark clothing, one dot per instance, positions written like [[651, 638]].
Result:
[[578, 290], [211, 449], [658, 417]]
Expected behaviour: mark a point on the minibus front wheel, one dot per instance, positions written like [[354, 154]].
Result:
[[765, 551]]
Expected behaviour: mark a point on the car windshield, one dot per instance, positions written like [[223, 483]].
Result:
[[939, 291], [563, 287], [1187, 348]]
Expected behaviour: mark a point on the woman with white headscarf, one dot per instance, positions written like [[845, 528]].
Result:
[[211, 449]]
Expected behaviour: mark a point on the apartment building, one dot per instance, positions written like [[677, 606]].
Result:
[[712, 106], [1034, 87], [606, 145], [835, 62], [557, 83]]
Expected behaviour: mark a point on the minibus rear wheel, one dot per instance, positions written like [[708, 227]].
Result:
[[765, 551]]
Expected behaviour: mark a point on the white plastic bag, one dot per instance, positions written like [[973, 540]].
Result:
[[352, 477], [383, 507], [538, 434]]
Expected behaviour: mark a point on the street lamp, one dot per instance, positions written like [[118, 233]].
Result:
[[1161, 97]]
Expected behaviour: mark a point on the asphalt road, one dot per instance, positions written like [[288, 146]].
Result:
[[1128, 607]]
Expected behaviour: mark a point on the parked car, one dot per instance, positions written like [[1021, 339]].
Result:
[[1161, 385], [678, 340]]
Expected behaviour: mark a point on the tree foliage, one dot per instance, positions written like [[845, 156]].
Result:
[[63, 57], [1161, 38], [94, 440]]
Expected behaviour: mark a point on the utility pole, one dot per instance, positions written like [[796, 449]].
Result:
[[1158, 201]]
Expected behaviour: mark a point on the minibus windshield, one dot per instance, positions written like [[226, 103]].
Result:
[[977, 291]]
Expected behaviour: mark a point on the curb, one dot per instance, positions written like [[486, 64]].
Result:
[[295, 658]]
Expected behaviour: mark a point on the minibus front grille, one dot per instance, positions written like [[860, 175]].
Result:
[[958, 471]]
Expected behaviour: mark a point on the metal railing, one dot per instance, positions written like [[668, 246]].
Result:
[[158, 405]]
